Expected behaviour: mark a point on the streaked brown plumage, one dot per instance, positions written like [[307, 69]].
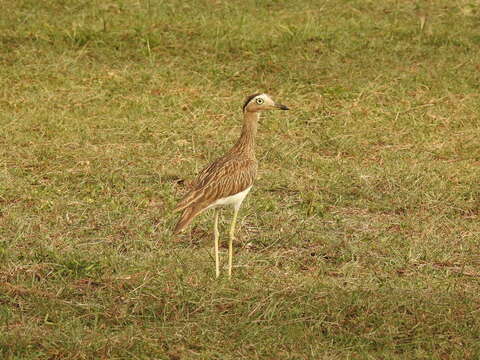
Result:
[[228, 175], [226, 178]]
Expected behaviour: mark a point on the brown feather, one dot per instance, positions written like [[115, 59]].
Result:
[[229, 175], [187, 216], [222, 181]]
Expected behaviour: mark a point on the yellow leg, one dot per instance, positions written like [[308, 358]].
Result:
[[217, 235], [230, 242]]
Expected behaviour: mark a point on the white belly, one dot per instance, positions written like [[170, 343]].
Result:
[[234, 200]]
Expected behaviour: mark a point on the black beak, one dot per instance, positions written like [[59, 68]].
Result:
[[281, 107]]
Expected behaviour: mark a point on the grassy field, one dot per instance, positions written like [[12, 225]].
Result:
[[360, 240]]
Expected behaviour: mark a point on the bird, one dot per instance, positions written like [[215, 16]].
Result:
[[229, 179]]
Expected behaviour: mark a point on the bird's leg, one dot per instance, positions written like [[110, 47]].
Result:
[[216, 234], [230, 242]]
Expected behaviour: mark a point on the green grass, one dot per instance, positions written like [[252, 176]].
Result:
[[361, 239]]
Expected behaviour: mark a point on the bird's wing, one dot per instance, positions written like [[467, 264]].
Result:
[[223, 178]]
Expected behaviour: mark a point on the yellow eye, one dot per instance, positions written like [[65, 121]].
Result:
[[259, 101]]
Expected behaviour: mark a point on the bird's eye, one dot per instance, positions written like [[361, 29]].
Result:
[[259, 101]]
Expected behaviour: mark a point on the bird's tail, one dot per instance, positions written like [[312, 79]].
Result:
[[186, 218]]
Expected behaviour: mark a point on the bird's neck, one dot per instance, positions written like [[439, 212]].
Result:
[[246, 142]]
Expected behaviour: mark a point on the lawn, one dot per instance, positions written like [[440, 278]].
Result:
[[360, 238]]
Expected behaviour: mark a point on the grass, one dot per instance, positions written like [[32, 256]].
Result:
[[360, 240]]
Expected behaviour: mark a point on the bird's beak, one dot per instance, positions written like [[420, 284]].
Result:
[[281, 107]]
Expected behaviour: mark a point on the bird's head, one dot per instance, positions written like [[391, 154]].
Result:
[[260, 102]]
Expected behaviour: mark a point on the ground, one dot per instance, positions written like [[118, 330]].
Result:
[[360, 239]]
